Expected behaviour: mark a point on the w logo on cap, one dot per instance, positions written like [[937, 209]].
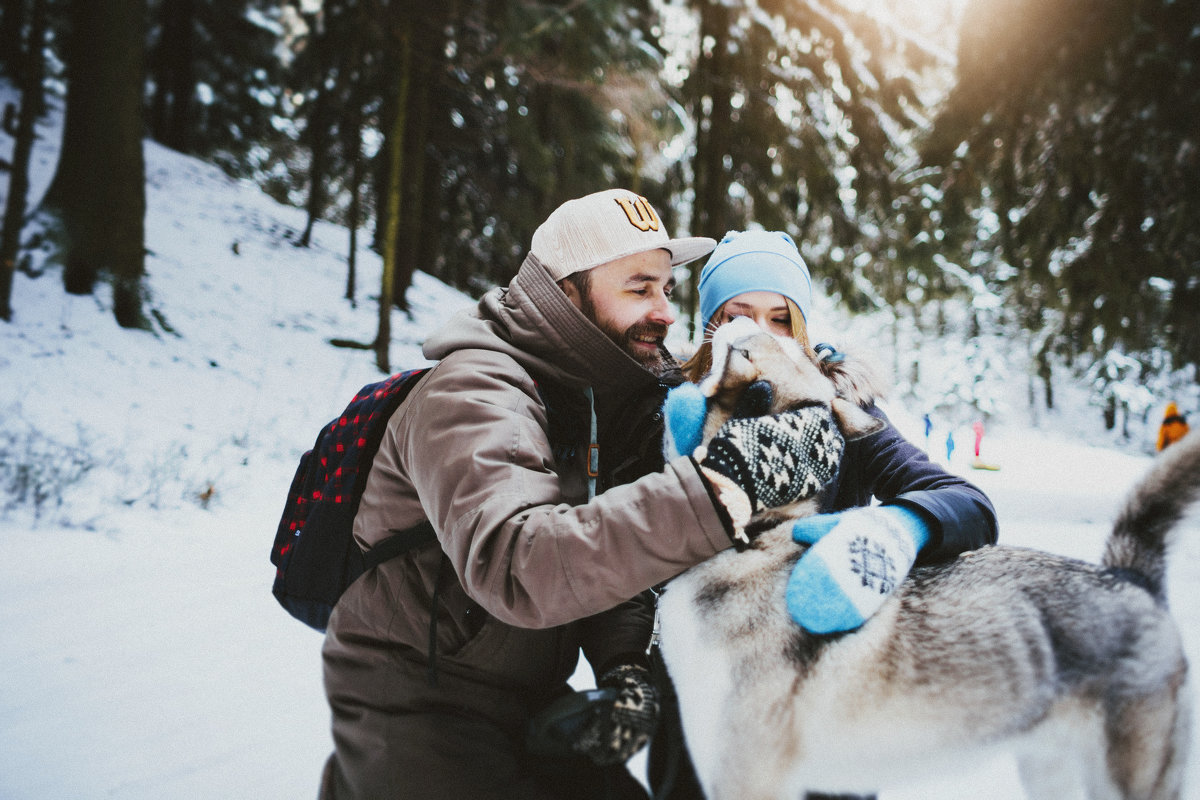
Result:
[[589, 231], [641, 214]]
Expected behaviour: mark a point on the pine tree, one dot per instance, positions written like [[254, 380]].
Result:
[[173, 68], [12, 34], [806, 114], [1069, 159], [97, 199], [215, 74], [31, 71]]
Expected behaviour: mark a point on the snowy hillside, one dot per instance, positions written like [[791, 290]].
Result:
[[141, 653]]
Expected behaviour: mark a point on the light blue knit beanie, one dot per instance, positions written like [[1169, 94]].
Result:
[[754, 261]]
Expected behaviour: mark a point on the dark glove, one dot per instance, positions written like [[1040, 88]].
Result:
[[624, 727]]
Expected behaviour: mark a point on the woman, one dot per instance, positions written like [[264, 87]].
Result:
[[932, 515], [755, 274]]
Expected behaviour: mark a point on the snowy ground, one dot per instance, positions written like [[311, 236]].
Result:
[[141, 653]]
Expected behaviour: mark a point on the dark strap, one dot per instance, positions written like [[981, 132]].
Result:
[[669, 733], [399, 543], [431, 671], [674, 747]]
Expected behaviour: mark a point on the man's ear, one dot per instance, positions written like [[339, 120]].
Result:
[[572, 292]]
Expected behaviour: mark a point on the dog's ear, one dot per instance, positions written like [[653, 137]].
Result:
[[853, 421], [855, 378]]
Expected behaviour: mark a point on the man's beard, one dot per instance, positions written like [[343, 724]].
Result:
[[657, 362]]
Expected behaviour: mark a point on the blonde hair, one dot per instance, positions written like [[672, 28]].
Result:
[[700, 363]]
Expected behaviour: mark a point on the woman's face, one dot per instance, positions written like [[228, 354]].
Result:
[[768, 309]]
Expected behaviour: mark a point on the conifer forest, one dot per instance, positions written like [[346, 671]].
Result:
[[1035, 162]]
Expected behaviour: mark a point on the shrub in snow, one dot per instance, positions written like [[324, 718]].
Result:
[[36, 470]]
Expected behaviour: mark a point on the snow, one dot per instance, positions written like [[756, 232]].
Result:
[[141, 652]]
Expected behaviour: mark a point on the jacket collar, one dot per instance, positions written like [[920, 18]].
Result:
[[534, 321]]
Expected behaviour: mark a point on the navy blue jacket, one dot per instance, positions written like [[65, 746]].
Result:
[[888, 467]]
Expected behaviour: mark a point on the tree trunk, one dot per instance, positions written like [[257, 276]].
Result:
[[31, 72], [12, 22], [430, 213], [711, 179], [318, 139], [416, 136], [354, 213], [896, 343], [392, 218], [98, 192], [1046, 374], [174, 75]]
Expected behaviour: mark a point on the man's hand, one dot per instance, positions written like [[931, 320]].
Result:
[[774, 460], [617, 732], [857, 559]]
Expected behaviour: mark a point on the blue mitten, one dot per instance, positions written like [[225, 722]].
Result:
[[684, 410], [810, 530], [859, 558]]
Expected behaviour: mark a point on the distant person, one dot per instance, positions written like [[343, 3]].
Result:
[[978, 429], [1173, 428], [949, 445], [928, 430]]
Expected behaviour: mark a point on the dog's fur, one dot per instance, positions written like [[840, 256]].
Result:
[[1076, 668]]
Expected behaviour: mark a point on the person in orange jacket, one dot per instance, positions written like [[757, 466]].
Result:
[[1174, 427]]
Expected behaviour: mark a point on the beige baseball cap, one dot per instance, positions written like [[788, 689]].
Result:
[[602, 227]]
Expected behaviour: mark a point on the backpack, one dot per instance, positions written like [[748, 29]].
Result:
[[314, 553]]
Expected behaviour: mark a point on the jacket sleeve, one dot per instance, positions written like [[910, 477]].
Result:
[[473, 443], [619, 635], [897, 472]]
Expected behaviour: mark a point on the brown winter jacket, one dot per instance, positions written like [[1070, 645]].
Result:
[[526, 555]]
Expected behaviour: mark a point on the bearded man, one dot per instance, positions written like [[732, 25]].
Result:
[[534, 449]]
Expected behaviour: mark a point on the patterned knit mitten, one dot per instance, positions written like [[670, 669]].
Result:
[[615, 736], [856, 563], [778, 459]]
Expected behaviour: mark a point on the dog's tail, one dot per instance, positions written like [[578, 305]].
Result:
[[1142, 532]]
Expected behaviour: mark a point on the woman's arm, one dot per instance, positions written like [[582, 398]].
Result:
[[888, 467]]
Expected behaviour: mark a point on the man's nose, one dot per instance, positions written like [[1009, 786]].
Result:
[[662, 311]]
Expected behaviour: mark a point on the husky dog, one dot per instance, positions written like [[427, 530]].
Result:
[[1076, 668]]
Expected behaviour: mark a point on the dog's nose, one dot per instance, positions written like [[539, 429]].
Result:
[[756, 400]]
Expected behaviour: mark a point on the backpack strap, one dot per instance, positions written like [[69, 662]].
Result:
[[398, 544], [593, 459]]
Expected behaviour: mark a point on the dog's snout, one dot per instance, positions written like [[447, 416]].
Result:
[[756, 400]]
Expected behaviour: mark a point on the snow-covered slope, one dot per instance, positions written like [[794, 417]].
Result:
[[141, 653]]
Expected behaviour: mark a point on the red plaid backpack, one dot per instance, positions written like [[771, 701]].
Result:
[[314, 552]]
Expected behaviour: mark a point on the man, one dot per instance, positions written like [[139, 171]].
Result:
[[437, 661]]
